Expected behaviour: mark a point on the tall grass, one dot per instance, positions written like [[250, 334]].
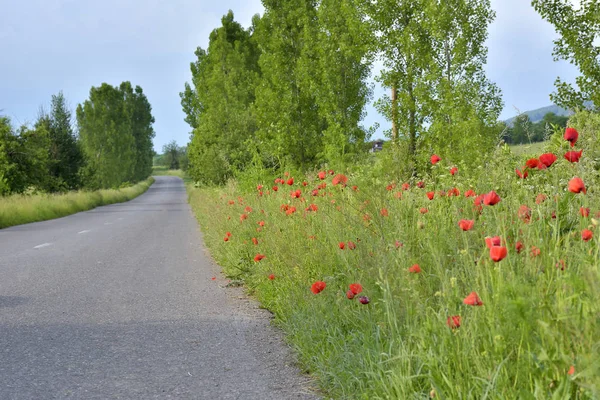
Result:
[[23, 209], [162, 171], [537, 334]]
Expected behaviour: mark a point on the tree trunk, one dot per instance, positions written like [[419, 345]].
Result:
[[394, 113]]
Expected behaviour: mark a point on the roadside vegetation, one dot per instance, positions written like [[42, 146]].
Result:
[[446, 266], [22, 208]]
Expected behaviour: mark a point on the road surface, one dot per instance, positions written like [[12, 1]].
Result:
[[119, 303]]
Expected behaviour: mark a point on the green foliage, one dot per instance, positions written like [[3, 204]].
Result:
[[434, 55], [173, 157], [219, 106], [525, 131], [115, 127], [579, 29]]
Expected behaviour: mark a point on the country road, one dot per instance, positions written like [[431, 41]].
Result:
[[119, 303]]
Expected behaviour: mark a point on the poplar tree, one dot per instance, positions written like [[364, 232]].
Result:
[[106, 137], [219, 107], [579, 30]]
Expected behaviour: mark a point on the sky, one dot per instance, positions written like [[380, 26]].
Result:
[[71, 45]]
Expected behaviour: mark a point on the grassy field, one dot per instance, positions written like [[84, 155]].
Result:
[[23, 209], [463, 300], [533, 148], [164, 171]]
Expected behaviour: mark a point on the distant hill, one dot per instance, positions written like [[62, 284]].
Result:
[[538, 115]]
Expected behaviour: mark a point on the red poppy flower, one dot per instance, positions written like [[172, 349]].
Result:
[[415, 269], [453, 192], [290, 210], [286, 174], [356, 288], [466, 224], [398, 195], [350, 295], [259, 257], [248, 209], [587, 235], [243, 217], [351, 245], [398, 244], [576, 185], [405, 186], [532, 163], [390, 187], [342, 245], [453, 171], [571, 370], [226, 239], [535, 251], [571, 135], [275, 188], [312, 207], [453, 322], [547, 159], [492, 241], [384, 212], [259, 187], [321, 175], [420, 184], [318, 287], [435, 159], [228, 234], [519, 246], [470, 193], [261, 223], [430, 195], [290, 181], [339, 179], [304, 183], [255, 241], [491, 198], [231, 202], [296, 194], [585, 212], [271, 277], [364, 300], [498, 253], [331, 172], [522, 174], [540, 198], [473, 300], [573, 156], [355, 188], [423, 210], [525, 213]]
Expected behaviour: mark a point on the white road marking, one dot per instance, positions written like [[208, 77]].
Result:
[[42, 245], [79, 233]]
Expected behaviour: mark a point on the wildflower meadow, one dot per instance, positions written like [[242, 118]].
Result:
[[459, 283]]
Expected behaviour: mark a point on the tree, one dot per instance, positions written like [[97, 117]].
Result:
[[289, 123], [344, 60], [219, 107], [106, 137], [66, 157], [579, 29], [172, 155], [140, 113], [434, 54]]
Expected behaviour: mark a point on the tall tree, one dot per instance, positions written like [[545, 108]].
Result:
[[66, 157], [106, 136], [139, 112], [219, 105], [289, 123], [579, 29], [344, 43]]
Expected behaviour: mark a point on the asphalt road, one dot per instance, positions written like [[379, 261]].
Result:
[[119, 303]]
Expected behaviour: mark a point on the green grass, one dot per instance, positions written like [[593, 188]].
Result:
[[23, 209], [164, 171], [537, 319], [526, 149]]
